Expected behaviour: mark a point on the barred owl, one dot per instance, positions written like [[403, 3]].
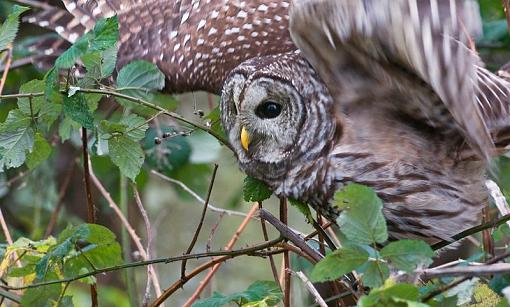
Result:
[[383, 93]]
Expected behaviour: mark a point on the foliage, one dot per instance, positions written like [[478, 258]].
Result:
[[363, 224], [260, 293]]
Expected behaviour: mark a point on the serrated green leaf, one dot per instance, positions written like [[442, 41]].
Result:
[[99, 65], [9, 28], [339, 262], [106, 34], [40, 152], [31, 106], [255, 190], [138, 79], [67, 59], [140, 75], [52, 88], [375, 274], [66, 128], [48, 114], [76, 108], [135, 126], [267, 292], [16, 138], [361, 220], [102, 37], [407, 255], [127, 155]]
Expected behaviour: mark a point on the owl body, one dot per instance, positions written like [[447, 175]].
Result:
[[429, 191]]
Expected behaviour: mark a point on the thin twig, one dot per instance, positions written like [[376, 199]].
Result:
[[271, 258], [118, 212], [286, 257], [5, 229], [229, 246], [213, 232], [201, 222], [471, 231], [249, 251], [317, 297], [196, 196], [438, 291], [151, 273], [7, 67]]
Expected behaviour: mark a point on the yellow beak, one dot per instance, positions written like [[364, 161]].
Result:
[[245, 138]]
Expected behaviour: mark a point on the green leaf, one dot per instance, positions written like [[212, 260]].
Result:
[[99, 65], [260, 292], [339, 262], [303, 208], [66, 128], [407, 255], [135, 126], [77, 109], [140, 75], [375, 273], [48, 114], [16, 138], [127, 155], [138, 79], [9, 28], [31, 106], [40, 152], [102, 37], [255, 190], [392, 295], [106, 34], [67, 59], [361, 220], [98, 248], [215, 119], [43, 296]]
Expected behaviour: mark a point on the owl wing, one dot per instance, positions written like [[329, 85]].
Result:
[[415, 47], [195, 43]]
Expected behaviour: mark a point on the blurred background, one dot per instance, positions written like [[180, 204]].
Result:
[[29, 199]]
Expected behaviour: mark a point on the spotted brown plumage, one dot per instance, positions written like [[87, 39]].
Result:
[[381, 92], [196, 43]]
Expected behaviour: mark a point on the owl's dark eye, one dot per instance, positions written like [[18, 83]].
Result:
[[268, 109]]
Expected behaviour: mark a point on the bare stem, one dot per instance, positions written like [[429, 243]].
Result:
[[7, 67], [229, 246], [200, 223]]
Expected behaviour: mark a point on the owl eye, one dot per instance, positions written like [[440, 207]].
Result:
[[268, 109]]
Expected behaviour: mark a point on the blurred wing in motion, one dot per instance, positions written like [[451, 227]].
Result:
[[365, 48], [195, 43]]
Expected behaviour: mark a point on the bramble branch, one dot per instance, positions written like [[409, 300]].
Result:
[[250, 251], [135, 100]]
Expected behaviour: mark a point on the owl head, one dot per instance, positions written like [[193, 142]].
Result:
[[279, 117]]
